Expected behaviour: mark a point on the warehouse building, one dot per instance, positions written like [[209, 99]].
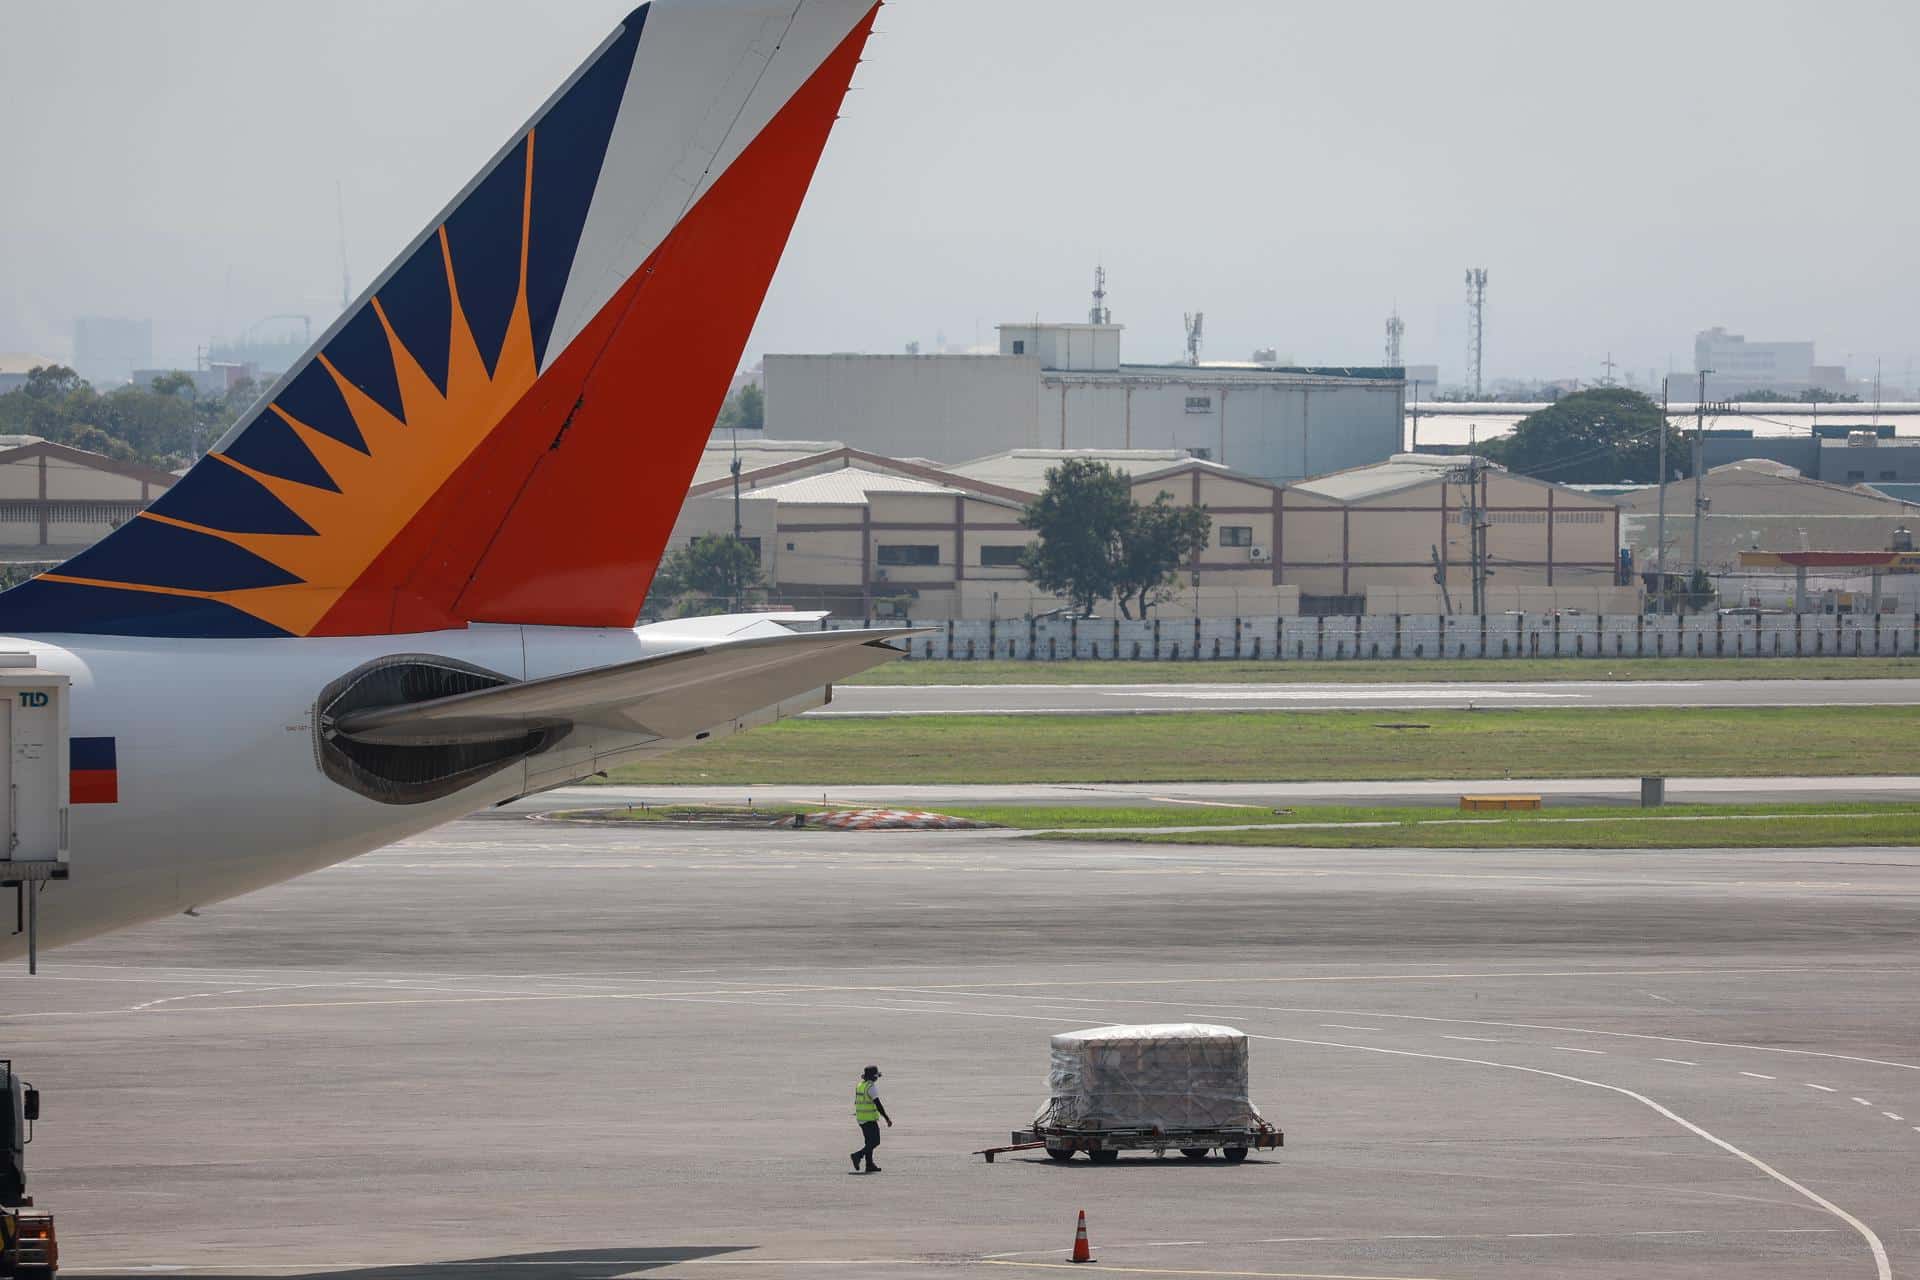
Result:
[[1758, 504], [866, 535], [1386, 532], [56, 500], [1064, 386]]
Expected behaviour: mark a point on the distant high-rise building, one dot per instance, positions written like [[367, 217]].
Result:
[[107, 349], [1739, 366]]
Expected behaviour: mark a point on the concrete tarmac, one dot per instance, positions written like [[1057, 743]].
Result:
[[541, 1049], [1123, 699]]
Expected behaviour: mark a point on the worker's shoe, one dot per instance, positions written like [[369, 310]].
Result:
[[856, 1163], [873, 1168]]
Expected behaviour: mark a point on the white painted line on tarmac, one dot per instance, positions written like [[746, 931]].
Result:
[[1883, 1267], [1678, 1062], [1756, 1075], [1863, 1102], [1480, 1039], [1892, 1115], [1561, 1048], [1344, 1026], [1821, 1087]]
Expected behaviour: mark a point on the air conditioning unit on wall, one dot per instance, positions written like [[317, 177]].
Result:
[[1258, 555]]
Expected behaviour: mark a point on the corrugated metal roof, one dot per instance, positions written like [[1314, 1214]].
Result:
[[1026, 469], [849, 486], [754, 454], [1402, 471]]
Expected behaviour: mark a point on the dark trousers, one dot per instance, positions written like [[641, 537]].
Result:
[[869, 1130]]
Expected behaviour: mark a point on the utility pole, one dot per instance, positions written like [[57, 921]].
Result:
[[1699, 476], [1474, 512], [1660, 526], [1476, 488]]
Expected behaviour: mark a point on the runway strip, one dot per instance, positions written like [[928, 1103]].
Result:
[[856, 701]]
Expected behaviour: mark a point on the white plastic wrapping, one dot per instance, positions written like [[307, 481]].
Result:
[[1170, 1076]]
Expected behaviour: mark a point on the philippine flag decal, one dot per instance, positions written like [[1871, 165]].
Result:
[[94, 771]]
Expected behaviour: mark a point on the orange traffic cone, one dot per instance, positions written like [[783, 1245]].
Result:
[[1080, 1251]]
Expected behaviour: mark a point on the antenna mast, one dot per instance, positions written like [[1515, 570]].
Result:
[[1194, 320], [1099, 314], [1396, 329], [1476, 323]]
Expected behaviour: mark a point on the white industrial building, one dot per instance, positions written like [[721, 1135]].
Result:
[[1735, 366], [1064, 386]]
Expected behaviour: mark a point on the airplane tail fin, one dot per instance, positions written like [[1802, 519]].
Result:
[[503, 427]]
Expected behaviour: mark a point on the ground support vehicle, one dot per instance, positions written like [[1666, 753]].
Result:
[[28, 1248], [1103, 1146]]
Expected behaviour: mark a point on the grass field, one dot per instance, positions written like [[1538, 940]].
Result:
[[1615, 829], [1389, 672], [1269, 746]]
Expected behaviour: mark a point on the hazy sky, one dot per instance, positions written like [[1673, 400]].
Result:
[[1627, 173]]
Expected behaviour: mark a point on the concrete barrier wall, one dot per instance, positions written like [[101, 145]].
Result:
[[1415, 636]]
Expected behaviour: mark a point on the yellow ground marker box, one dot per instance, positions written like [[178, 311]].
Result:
[[1499, 802]]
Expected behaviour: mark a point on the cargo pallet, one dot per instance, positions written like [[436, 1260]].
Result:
[[1103, 1146]]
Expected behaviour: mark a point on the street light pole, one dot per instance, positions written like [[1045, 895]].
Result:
[[1660, 526], [1699, 477]]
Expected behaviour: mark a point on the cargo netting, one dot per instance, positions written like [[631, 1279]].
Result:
[[1169, 1076]]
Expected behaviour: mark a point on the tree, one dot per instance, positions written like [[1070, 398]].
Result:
[[94, 439], [173, 382], [52, 382], [1081, 517], [712, 574], [1812, 395], [1599, 436], [1158, 538], [745, 409]]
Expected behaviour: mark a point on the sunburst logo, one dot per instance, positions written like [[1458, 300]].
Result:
[[406, 460]]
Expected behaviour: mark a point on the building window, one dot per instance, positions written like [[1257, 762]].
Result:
[[1579, 517], [789, 546], [1019, 346], [753, 545], [1856, 476], [1236, 535], [909, 553], [1889, 475], [1001, 557], [1199, 404]]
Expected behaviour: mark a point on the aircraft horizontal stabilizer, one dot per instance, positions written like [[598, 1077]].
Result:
[[674, 695]]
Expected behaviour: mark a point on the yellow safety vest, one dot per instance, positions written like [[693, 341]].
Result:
[[865, 1109]]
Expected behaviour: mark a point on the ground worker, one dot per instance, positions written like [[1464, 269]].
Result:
[[868, 1112]]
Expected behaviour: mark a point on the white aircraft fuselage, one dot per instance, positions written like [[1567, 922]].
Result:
[[218, 788]]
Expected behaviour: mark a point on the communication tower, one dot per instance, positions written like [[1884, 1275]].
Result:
[[1476, 323], [1396, 329], [1194, 320], [1099, 314], [346, 280]]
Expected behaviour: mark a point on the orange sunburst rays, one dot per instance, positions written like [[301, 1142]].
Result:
[[406, 463]]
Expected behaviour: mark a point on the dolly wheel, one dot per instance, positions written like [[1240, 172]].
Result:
[[1234, 1155], [1062, 1154], [1103, 1157], [1194, 1153]]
